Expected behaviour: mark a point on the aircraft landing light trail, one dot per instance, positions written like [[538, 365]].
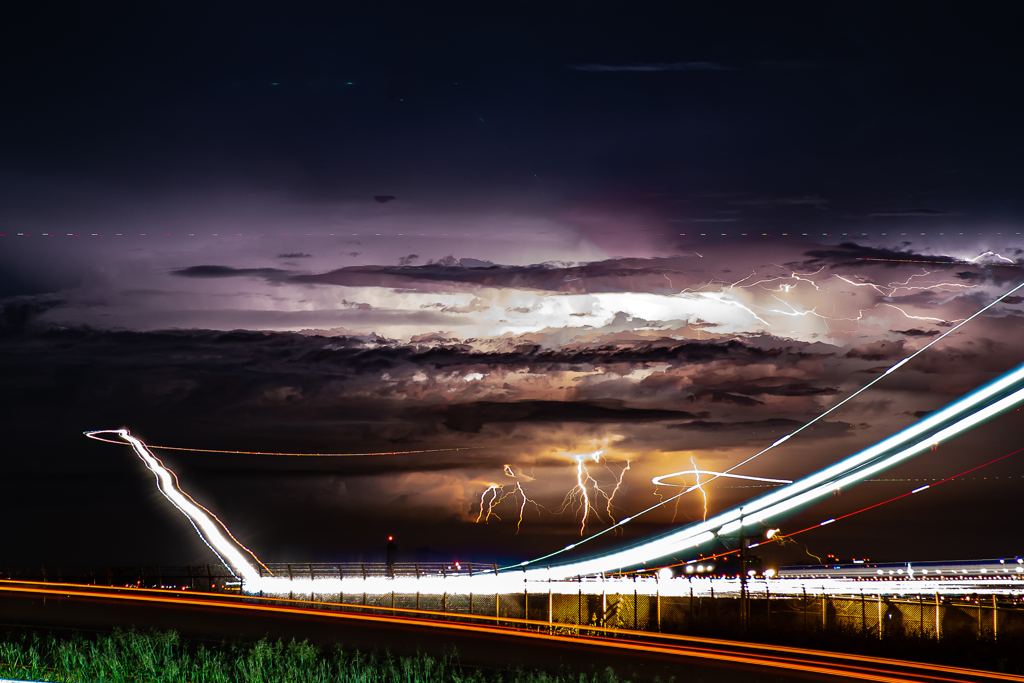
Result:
[[848, 666]]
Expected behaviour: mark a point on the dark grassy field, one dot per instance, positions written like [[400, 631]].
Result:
[[130, 656]]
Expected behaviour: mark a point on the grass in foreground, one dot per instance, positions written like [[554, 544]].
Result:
[[129, 656]]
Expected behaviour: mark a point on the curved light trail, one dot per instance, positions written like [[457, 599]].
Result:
[[660, 480], [293, 455]]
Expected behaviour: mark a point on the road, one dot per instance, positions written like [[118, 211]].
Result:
[[637, 656]]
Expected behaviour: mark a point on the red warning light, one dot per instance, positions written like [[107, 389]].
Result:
[[391, 538]]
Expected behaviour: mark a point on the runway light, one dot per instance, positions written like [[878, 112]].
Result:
[[769, 573], [700, 568], [689, 569], [664, 574]]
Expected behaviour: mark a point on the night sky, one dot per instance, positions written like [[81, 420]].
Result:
[[668, 237]]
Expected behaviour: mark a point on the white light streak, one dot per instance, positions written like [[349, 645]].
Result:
[[210, 529]]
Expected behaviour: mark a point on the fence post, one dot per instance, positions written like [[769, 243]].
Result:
[[691, 602], [824, 611], [635, 608], [579, 606], [768, 602], [980, 631], [863, 614], [657, 599], [805, 607], [551, 628], [920, 600], [938, 619], [714, 605], [879, 616], [995, 613], [341, 585]]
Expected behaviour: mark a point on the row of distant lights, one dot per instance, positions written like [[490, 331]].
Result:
[[701, 569], [983, 570], [489, 234]]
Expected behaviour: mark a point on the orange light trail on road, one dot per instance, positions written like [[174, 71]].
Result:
[[680, 646]]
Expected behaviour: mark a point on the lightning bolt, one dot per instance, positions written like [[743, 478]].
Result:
[[696, 474], [498, 494], [618, 485], [582, 479]]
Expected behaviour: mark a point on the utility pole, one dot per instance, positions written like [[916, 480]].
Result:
[[744, 617], [391, 557]]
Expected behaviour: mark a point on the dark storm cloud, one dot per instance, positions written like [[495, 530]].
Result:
[[659, 351], [276, 386], [471, 417], [880, 350], [915, 332], [761, 388], [226, 271], [851, 254], [1013, 300], [653, 67], [297, 254], [822, 430], [725, 397], [594, 276], [17, 317]]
